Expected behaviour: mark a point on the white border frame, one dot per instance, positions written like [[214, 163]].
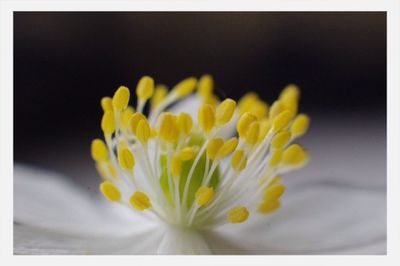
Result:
[[392, 7]]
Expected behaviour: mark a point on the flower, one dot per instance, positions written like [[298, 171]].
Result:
[[182, 172]]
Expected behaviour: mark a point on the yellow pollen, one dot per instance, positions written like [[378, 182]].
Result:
[[294, 155], [111, 169], [273, 192], [110, 191], [106, 104], [205, 86], [265, 125], [168, 128], [134, 121], [145, 88], [108, 123], [176, 166], [280, 139], [204, 195], [244, 122], [185, 87], [300, 125], [268, 206], [275, 158], [291, 92], [99, 150], [125, 116], [143, 131], [187, 153], [246, 101], [206, 117], [281, 121], [227, 148], [101, 170], [213, 146], [126, 159], [225, 111], [185, 123], [160, 92], [121, 98], [238, 160], [237, 214], [253, 133], [276, 108], [139, 201]]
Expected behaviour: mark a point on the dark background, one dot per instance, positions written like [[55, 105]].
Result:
[[65, 62]]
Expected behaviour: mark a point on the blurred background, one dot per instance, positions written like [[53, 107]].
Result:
[[65, 62]]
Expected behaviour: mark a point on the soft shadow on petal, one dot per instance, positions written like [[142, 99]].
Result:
[[189, 105], [318, 218]]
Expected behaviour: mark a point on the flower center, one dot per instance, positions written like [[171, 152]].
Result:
[[197, 172]]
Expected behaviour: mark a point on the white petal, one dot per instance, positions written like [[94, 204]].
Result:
[[189, 105], [316, 219]]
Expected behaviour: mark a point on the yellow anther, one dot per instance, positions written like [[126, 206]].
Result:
[[187, 153], [139, 201], [134, 121], [167, 127], [246, 101], [276, 108], [185, 87], [253, 133], [185, 123], [268, 206], [176, 166], [126, 159], [275, 158], [160, 92], [237, 214], [204, 195], [99, 150], [211, 100], [108, 123], [294, 155], [153, 132], [227, 148], [143, 131], [244, 122], [300, 125], [100, 167], [259, 109], [290, 105], [291, 92], [111, 169], [265, 125], [281, 121], [106, 104], [273, 192], [225, 111], [125, 116], [213, 146], [110, 191], [121, 98], [238, 160], [280, 139], [145, 88], [205, 86], [206, 117]]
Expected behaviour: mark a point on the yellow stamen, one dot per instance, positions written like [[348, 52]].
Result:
[[280, 139], [206, 117], [300, 125], [268, 206], [265, 125], [168, 128], [100, 167], [227, 148], [143, 131], [134, 121], [108, 123], [276, 108], [99, 150], [273, 192], [238, 160], [294, 155], [185, 123], [106, 104], [253, 133], [213, 146], [145, 88], [185, 87], [281, 121], [111, 169], [187, 153], [110, 191], [126, 159], [237, 214], [244, 122], [121, 98], [160, 92], [204, 195], [176, 166], [205, 86], [291, 91], [139, 201], [275, 158], [125, 116], [225, 111]]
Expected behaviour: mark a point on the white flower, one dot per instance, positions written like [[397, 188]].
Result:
[[180, 183]]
